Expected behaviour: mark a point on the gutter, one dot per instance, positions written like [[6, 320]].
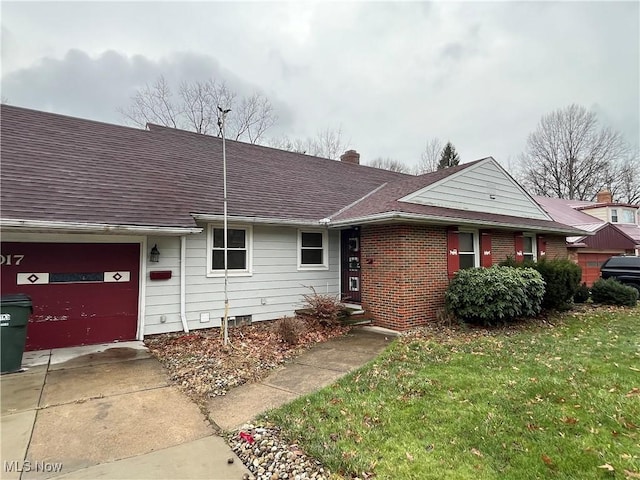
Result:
[[394, 216], [95, 227], [183, 283], [257, 220]]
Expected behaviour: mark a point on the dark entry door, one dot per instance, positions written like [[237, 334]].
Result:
[[350, 254]]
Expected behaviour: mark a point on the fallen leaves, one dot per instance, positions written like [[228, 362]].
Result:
[[203, 367], [607, 467]]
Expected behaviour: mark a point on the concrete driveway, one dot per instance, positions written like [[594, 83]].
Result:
[[105, 411]]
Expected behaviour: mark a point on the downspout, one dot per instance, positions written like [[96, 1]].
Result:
[[183, 283]]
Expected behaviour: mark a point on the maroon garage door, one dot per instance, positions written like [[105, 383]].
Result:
[[82, 293]]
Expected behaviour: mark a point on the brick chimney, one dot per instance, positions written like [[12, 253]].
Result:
[[350, 156], [604, 197]]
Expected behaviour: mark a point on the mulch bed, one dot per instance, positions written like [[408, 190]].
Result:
[[201, 366]]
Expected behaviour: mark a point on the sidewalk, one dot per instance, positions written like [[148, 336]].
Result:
[[318, 367], [105, 412]]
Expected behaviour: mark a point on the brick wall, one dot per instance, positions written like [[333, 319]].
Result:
[[404, 273], [404, 270], [556, 246]]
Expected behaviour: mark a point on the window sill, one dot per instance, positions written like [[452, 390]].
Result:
[[306, 268], [231, 273]]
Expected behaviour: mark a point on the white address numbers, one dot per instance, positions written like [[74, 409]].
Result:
[[11, 259]]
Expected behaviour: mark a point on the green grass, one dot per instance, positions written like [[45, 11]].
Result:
[[558, 402]]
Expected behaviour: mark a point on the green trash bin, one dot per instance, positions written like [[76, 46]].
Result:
[[14, 316]]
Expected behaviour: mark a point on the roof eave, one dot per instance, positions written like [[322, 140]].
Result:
[[203, 217], [388, 217], [24, 225]]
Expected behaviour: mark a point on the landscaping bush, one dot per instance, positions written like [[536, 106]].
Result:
[[612, 292], [495, 295], [325, 309], [561, 277], [582, 294], [289, 329]]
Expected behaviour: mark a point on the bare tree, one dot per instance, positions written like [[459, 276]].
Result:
[[570, 156], [390, 164], [624, 179], [328, 143], [430, 156], [195, 108]]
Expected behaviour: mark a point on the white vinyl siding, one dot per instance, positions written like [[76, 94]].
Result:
[[274, 289], [484, 187]]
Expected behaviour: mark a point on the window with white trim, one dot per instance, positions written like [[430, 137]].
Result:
[[614, 215], [239, 240], [468, 249], [529, 248], [628, 216], [313, 250]]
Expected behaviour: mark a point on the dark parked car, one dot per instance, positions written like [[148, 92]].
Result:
[[625, 269]]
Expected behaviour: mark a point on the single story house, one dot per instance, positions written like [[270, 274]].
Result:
[[117, 232], [614, 230]]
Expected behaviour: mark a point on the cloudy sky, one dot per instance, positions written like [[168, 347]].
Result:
[[392, 75]]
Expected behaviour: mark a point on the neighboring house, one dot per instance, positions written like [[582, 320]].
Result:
[[117, 232], [613, 226]]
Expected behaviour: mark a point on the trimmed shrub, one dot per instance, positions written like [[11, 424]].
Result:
[[561, 276], [582, 294], [562, 279], [612, 292], [495, 295]]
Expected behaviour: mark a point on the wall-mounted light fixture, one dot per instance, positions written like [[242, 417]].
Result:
[[154, 255]]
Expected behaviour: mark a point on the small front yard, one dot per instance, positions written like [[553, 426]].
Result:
[[559, 399]]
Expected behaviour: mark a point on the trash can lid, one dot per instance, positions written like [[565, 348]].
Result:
[[15, 300]]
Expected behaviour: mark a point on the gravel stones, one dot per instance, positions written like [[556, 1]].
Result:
[[269, 457]]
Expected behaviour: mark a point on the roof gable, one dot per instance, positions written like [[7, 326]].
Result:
[[482, 187]]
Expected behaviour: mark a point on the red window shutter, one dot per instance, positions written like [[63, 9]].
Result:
[[453, 261], [485, 248], [519, 247], [542, 246]]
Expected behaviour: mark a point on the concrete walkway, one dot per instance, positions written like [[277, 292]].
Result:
[[108, 411], [318, 367], [105, 412]]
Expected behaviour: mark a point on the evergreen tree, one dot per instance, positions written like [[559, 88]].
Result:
[[449, 157]]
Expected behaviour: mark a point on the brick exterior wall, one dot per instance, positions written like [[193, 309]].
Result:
[[404, 270]]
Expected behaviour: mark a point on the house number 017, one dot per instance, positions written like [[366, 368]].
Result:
[[11, 259]]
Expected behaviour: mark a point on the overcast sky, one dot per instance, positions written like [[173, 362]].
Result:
[[392, 75]]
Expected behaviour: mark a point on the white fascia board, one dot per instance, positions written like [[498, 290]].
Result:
[[77, 227], [258, 220], [440, 220]]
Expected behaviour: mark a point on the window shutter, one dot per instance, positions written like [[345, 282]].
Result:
[[485, 248], [453, 261], [519, 247], [542, 247]]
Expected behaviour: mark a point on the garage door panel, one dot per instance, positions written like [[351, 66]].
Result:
[[81, 293]]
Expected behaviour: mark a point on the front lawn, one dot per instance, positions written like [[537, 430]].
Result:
[[559, 400]]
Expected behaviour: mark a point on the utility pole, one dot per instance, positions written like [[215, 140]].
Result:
[[225, 320]]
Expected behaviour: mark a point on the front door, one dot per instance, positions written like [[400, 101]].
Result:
[[350, 255]]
